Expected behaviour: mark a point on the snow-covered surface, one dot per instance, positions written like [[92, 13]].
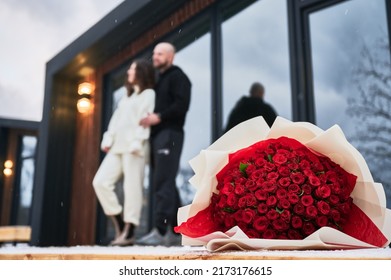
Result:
[[181, 252]]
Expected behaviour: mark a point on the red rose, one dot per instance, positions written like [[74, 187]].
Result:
[[232, 200], [334, 199], [307, 200], [335, 215], [299, 209], [239, 189], [322, 221], [307, 189], [272, 176], [251, 185], [280, 225], [297, 222], [286, 216], [284, 182], [279, 158], [308, 228], [262, 208], [294, 188], [323, 207], [261, 195], [248, 215], [227, 189], [311, 211], [261, 223], [284, 203], [304, 164], [271, 201], [314, 181], [281, 193], [272, 214], [283, 171], [297, 178], [323, 191], [293, 198]]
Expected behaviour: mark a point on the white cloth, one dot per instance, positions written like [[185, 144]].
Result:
[[127, 157]]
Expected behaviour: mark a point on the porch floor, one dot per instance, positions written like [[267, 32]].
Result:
[[26, 252]]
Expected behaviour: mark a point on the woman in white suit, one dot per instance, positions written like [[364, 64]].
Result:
[[126, 145]]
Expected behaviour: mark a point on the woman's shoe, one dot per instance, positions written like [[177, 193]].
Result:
[[118, 224], [126, 238]]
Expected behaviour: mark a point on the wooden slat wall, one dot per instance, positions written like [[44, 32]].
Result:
[[83, 203]]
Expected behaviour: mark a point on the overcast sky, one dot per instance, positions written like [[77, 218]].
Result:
[[32, 33]]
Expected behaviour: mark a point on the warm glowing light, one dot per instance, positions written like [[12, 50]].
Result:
[[8, 164], [7, 171], [85, 88], [83, 105]]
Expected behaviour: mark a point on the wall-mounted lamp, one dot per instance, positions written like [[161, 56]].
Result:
[[8, 164], [85, 90]]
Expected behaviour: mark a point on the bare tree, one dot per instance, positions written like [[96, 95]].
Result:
[[372, 108]]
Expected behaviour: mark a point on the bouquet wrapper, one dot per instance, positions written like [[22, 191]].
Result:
[[370, 222]]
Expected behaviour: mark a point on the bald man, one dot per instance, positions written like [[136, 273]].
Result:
[[173, 91]]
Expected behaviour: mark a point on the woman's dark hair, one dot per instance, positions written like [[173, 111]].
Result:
[[145, 76]]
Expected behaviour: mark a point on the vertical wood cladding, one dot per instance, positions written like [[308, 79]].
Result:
[[83, 202]]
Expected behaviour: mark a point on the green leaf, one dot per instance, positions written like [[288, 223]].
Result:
[[228, 210], [269, 158], [242, 168]]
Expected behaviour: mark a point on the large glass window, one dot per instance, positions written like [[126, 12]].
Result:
[[24, 191], [256, 50], [352, 78], [195, 62]]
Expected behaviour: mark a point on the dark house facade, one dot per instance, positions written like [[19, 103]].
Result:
[[64, 210]]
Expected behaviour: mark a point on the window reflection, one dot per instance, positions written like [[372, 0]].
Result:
[[24, 193], [117, 96], [352, 78], [256, 50], [195, 62]]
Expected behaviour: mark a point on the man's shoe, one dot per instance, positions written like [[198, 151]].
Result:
[[172, 239], [154, 238]]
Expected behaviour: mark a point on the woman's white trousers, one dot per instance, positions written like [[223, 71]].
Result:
[[112, 168]]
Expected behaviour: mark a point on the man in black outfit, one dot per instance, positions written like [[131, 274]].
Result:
[[173, 91], [252, 106]]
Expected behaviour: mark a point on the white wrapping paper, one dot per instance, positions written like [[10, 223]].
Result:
[[367, 195]]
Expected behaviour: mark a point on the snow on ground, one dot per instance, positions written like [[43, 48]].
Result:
[[22, 249]]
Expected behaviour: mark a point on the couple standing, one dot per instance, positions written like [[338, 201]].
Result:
[[153, 111]]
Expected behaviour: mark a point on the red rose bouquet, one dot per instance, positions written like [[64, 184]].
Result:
[[291, 186]]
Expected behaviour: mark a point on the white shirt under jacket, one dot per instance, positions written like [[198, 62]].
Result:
[[124, 134]]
